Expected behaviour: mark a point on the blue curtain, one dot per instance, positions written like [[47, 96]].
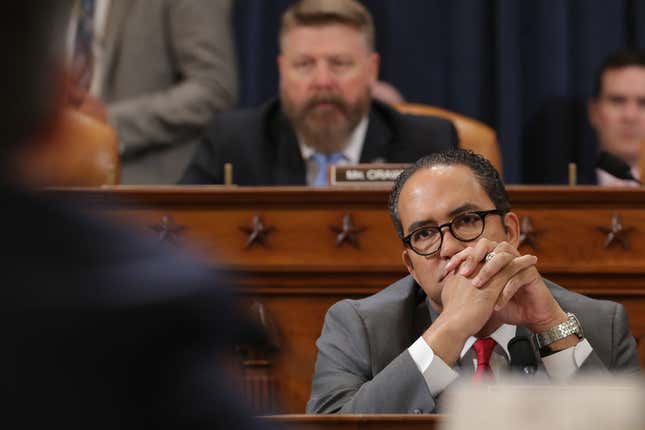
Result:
[[524, 67]]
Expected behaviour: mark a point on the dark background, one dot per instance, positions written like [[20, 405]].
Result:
[[525, 67]]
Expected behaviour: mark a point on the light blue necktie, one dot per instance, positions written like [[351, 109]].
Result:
[[323, 160]]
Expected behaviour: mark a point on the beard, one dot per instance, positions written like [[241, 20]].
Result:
[[326, 121]]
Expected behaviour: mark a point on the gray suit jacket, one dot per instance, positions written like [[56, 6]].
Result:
[[363, 365], [170, 65]]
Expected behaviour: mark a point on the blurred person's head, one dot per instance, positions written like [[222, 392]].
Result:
[[32, 48], [327, 67], [617, 106]]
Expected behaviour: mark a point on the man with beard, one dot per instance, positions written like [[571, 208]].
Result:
[[325, 113]]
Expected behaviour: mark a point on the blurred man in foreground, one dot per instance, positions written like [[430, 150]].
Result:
[[325, 113], [102, 329], [617, 114], [471, 297]]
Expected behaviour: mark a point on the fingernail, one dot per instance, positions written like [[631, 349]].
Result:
[[477, 282]]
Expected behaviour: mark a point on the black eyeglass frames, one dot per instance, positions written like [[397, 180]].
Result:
[[465, 227]]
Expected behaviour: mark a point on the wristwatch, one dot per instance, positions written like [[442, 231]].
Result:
[[560, 331]]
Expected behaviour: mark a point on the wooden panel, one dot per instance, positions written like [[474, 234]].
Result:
[[302, 271], [302, 238], [355, 422], [566, 220], [299, 319]]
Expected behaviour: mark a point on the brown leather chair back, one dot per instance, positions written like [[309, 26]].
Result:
[[80, 151], [473, 134]]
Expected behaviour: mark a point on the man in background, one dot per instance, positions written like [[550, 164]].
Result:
[[617, 114], [325, 113], [101, 328], [162, 68]]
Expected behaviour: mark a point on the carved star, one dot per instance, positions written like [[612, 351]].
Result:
[[617, 233], [258, 232], [168, 230], [528, 234], [348, 232]]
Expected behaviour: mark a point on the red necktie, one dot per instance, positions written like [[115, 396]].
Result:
[[484, 348]]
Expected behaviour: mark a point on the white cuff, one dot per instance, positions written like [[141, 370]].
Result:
[[437, 374], [564, 364]]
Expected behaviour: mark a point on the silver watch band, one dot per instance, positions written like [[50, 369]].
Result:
[[562, 330]]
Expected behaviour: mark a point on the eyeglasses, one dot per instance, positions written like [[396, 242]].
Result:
[[465, 227]]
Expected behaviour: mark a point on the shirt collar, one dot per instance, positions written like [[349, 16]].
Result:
[[607, 179], [502, 336], [352, 151]]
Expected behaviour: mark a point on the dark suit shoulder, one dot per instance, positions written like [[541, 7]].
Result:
[[244, 138], [241, 118], [409, 137], [242, 127]]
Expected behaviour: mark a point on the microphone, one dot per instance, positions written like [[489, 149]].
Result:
[[615, 166], [523, 358]]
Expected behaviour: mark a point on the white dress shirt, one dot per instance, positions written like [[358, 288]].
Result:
[[606, 179]]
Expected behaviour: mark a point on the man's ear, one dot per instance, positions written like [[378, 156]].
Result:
[[512, 224], [408, 264]]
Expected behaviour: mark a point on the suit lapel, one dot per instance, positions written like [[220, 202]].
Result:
[[289, 168], [377, 139], [114, 36]]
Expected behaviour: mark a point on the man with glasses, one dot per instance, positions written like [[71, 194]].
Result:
[[470, 298]]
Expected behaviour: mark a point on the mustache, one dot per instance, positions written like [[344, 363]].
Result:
[[332, 99]]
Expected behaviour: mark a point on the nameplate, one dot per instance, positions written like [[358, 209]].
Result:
[[365, 174]]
